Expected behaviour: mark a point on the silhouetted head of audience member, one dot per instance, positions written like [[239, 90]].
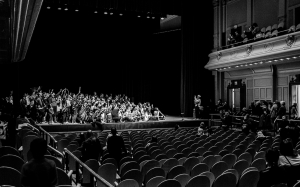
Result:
[[176, 127], [89, 134], [113, 131], [38, 148], [287, 148], [154, 139], [272, 157]]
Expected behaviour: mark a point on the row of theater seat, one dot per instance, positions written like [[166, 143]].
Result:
[[12, 160], [269, 32], [139, 169]]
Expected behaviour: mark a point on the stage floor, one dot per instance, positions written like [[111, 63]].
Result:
[[169, 122]]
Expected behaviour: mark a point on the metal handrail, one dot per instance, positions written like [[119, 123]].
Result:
[[48, 137], [89, 169]]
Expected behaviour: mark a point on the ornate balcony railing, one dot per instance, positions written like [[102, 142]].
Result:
[[280, 49]]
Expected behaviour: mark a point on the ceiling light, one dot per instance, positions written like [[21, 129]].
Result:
[[148, 17], [250, 64], [66, 9], [255, 63], [153, 17], [105, 12], [275, 60], [59, 8], [216, 69], [241, 65], [246, 64], [229, 67], [294, 57], [281, 59], [95, 12], [121, 14], [236, 66], [162, 18], [224, 68], [138, 16], [48, 7], [111, 13], [288, 58], [76, 10], [262, 62]]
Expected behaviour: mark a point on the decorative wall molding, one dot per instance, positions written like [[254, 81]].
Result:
[[257, 52]]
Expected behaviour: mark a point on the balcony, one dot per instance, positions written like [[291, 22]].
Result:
[[276, 50]]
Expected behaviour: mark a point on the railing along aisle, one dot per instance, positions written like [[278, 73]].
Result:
[[93, 174], [48, 137]]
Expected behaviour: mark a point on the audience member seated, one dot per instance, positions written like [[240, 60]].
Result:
[[255, 29], [39, 171], [91, 148], [288, 130], [290, 160], [248, 125], [115, 145], [226, 121], [273, 174]]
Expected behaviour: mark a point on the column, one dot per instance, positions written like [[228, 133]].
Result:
[[216, 24], [282, 11], [249, 12]]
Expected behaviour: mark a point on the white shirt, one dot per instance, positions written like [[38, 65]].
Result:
[[293, 160]]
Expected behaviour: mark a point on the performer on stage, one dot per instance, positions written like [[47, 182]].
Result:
[[197, 102]]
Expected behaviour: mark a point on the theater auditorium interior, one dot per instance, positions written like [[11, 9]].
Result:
[[150, 93]]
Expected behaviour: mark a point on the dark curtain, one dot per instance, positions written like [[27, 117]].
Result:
[[197, 41]]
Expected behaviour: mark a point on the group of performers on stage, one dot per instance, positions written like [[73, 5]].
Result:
[[66, 107]]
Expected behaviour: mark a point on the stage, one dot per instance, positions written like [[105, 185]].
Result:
[[169, 122]]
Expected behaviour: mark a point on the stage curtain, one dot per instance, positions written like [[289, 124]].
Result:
[[196, 45]]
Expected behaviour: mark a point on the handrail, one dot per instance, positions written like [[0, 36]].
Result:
[[251, 40], [48, 134], [89, 169], [56, 151]]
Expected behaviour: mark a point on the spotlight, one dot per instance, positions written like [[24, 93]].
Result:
[[48, 7], [95, 12], [148, 17], [237, 66], [288, 58], [255, 63], [250, 64], [262, 62], [281, 59], [111, 13], [66, 9], [162, 18], [76, 10], [275, 60], [294, 57], [105, 13], [121, 14], [138, 16], [153, 17], [58, 8]]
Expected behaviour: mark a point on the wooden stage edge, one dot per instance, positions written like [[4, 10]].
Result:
[[169, 122]]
